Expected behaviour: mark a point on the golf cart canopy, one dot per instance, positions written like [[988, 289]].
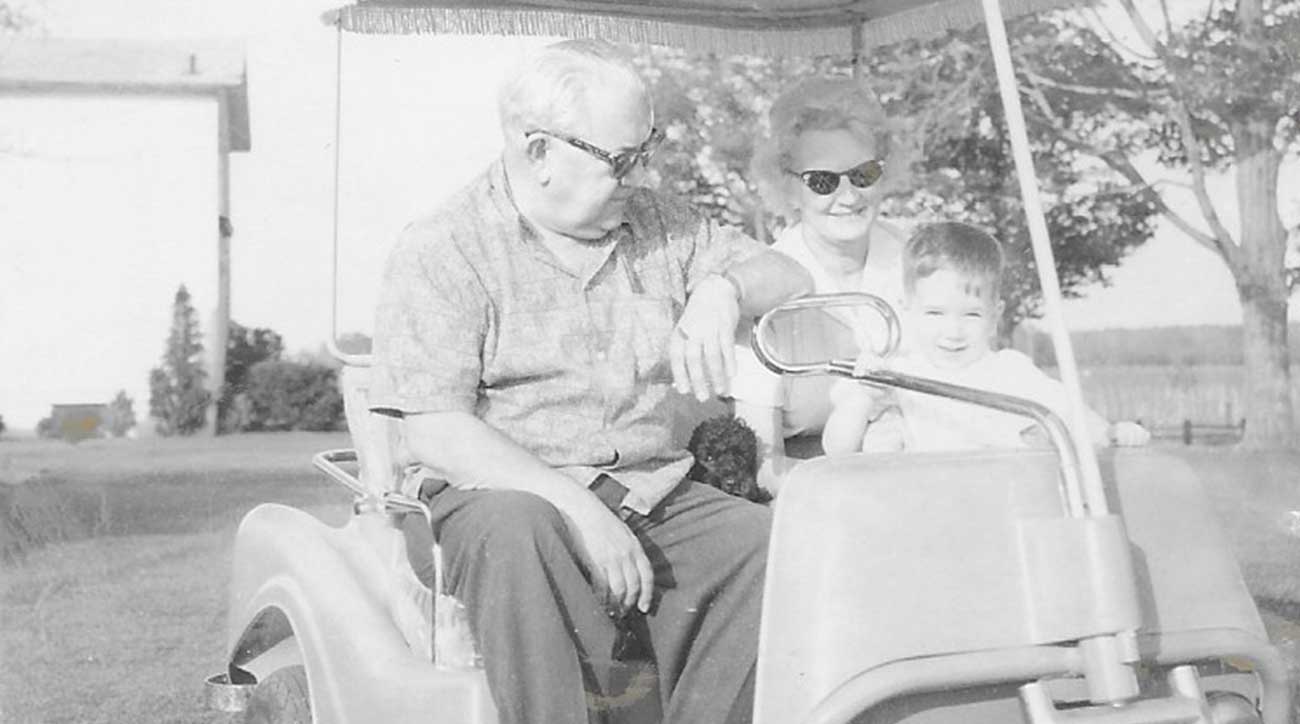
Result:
[[757, 27]]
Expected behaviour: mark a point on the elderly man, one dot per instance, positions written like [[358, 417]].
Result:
[[530, 336]]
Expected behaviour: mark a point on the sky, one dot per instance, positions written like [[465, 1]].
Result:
[[107, 204]]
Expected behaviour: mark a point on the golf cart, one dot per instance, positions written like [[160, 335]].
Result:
[[1035, 586]]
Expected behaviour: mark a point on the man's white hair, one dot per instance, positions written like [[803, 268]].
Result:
[[551, 89]]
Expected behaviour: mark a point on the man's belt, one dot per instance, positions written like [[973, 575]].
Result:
[[612, 493]]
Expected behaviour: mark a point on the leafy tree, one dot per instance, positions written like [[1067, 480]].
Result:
[[951, 158], [965, 171], [1219, 93], [286, 395], [12, 18], [709, 106], [177, 398], [245, 347], [120, 417]]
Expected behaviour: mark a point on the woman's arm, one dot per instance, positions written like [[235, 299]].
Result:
[[765, 421]]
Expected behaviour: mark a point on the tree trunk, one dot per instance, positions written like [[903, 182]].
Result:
[[1270, 417], [1261, 285]]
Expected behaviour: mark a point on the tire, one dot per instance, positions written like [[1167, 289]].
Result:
[[281, 698]]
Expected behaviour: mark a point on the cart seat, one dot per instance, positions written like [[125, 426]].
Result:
[[945, 571], [432, 622]]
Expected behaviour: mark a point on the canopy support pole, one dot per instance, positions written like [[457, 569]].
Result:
[[1093, 493], [1107, 659], [331, 341]]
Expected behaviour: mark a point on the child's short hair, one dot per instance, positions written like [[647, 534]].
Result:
[[955, 246]]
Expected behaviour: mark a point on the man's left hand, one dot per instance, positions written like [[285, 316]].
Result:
[[702, 347]]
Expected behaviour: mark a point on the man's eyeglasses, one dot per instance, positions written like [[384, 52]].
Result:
[[621, 163], [825, 183]]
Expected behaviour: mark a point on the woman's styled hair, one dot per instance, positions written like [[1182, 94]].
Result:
[[551, 89], [814, 104], [957, 247]]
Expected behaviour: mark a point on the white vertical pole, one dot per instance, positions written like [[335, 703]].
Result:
[[1094, 496], [221, 313], [1106, 659], [331, 342]]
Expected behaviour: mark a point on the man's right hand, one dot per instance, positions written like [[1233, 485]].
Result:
[[462, 448], [618, 565]]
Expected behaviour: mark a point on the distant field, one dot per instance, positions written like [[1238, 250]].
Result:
[[119, 615]]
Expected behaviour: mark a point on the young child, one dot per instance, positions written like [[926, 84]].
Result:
[[951, 278]]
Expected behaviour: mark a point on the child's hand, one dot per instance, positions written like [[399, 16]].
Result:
[[886, 434], [869, 361], [1129, 434]]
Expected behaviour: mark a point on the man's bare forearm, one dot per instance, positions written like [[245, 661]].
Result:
[[469, 453], [766, 280]]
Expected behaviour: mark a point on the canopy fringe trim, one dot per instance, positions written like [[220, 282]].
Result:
[[756, 36]]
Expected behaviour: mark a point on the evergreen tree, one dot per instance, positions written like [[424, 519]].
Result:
[[177, 398]]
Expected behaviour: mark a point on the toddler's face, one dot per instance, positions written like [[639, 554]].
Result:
[[952, 318]]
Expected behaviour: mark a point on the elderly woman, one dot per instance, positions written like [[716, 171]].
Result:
[[821, 171]]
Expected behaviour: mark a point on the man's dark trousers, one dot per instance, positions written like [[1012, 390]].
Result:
[[549, 643]]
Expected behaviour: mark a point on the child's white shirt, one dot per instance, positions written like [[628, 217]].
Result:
[[938, 423]]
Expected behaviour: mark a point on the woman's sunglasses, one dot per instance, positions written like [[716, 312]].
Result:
[[824, 183]]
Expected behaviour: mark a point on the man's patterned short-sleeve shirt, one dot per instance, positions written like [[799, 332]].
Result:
[[477, 315]]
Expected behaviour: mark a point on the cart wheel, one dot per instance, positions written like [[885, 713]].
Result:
[[281, 698]]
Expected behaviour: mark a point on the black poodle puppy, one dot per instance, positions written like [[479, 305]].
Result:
[[726, 457]]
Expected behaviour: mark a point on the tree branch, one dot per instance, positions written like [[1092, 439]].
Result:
[[1222, 238], [1084, 89], [1120, 164], [1093, 20], [1169, 23]]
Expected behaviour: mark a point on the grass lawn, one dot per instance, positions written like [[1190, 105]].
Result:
[[118, 614], [120, 617]]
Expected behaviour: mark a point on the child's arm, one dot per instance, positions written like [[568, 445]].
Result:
[[1103, 433], [1120, 434], [854, 405], [1033, 383]]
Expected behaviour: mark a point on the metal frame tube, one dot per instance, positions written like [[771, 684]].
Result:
[[331, 342]]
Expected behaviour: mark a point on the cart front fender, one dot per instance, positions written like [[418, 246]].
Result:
[[326, 590]]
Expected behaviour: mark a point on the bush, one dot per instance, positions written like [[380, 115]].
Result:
[[292, 396], [121, 415], [245, 347]]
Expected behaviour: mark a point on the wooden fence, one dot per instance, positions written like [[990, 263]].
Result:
[[1201, 404]]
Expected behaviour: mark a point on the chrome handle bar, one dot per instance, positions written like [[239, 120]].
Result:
[[1058, 434], [365, 501]]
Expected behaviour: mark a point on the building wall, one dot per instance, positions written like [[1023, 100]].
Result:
[[109, 204]]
